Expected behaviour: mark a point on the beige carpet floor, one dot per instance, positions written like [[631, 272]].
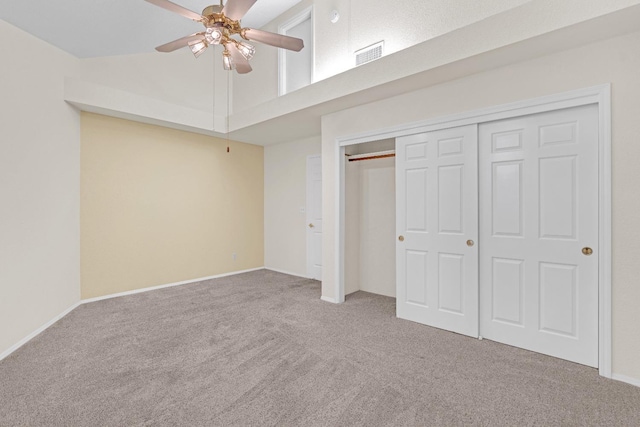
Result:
[[262, 349]]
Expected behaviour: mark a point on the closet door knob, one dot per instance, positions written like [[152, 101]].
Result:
[[587, 251], [311, 226], [470, 243], [401, 238]]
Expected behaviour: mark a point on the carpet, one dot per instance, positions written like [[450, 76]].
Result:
[[261, 349]]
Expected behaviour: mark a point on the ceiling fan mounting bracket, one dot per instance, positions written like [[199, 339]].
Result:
[[212, 10]]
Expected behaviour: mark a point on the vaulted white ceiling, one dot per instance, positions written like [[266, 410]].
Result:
[[91, 28]]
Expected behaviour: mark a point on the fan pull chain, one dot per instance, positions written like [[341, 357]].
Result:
[[228, 106]]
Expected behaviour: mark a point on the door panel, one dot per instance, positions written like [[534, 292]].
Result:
[[451, 283], [416, 205], [557, 197], [538, 209], [506, 200], [558, 298], [437, 201], [450, 193], [416, 286], [508, 290]]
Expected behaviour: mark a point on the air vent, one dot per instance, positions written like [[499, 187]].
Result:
[[369, 53]]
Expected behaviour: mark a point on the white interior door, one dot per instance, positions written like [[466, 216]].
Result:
[[314, 217], [437, 226], [538, 211]]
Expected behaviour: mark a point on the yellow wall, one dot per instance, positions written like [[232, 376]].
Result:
[[161, 206]]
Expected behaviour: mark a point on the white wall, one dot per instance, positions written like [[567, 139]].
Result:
[[400, 25], [616, 61], [370, 227], [377, 226], [39, 186], [176, 77], [361, 23], [285, 227], [535, 28]]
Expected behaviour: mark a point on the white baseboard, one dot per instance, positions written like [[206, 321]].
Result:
[[89, 300], [38, 331], [277, 270], [328, 299], [626, 379], [168, 285]]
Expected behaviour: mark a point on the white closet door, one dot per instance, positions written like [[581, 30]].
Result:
[[538, 211], [437, 202]]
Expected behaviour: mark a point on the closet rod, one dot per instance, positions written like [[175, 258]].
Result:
[[382, 156], [371, 156]]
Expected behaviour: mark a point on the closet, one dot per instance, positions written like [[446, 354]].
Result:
[[497, 231], [370, 208]]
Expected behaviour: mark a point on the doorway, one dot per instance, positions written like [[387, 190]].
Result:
[[296, 69], [370, 218]]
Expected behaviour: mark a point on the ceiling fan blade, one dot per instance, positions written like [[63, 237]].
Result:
[[180, 43], [273, 39], [235, 9], [241, 63], [172, 7]]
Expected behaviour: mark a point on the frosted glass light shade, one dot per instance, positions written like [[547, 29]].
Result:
[[227, 61], [198, 47], [246, 50]]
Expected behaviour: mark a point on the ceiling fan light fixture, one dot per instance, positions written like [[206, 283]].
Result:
[[227, 60], [198, 47], [246, 50], [213, 35], [222, 27]]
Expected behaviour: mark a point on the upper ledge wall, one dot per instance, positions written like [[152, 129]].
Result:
[[524, 32], [512, 36], [108, 101]]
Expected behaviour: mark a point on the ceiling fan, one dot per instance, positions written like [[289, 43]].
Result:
[[221, 22]]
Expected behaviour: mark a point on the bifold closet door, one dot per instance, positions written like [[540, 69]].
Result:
[[539, 233], [437, 226]]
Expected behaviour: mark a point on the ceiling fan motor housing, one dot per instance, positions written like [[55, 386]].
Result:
[[216, 21]]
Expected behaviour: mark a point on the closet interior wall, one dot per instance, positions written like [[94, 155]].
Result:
[[370, 263]]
